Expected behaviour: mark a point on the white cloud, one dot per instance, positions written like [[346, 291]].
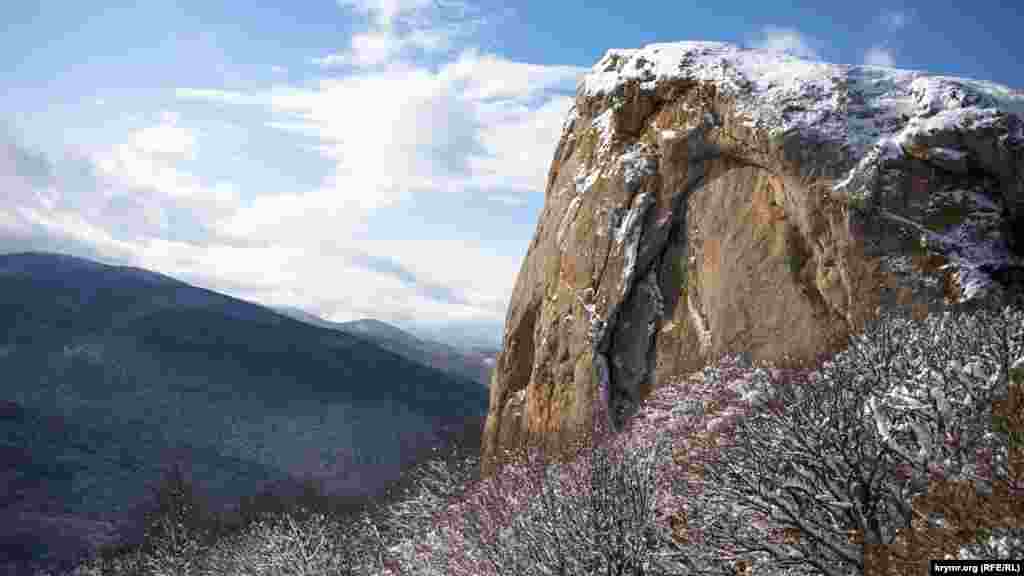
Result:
[[214, 95], [333, 60], [71, 225], [391, 132], [375, 48], [479, 123], [508, 199], [258, 269], [278, 69], [787, 40], [165, 138], [300, 128], [315, 220], [149, 170], [894, 20], [403, 28], [12, 223], [430, 40], [470, 123], [519, 141], [385, 12], [488, 77], [879, 55], [367, 50], [473, 123], [483, 279]]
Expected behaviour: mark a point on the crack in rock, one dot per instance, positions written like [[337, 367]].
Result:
[[622, 378]]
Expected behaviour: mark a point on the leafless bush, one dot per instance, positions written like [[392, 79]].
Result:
[[177, 529], [126, 564], [272, 534], [290, 546], [819, 473], [593, 515]]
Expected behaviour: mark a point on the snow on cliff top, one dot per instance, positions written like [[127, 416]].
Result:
[[861, 106], [872, 113]]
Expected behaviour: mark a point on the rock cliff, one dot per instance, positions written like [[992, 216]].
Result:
[[707, 199]]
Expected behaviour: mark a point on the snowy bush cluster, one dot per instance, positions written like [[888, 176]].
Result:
[[829, 474]]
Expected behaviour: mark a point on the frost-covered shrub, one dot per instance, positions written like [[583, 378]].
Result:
[[594, 515], [823, 474], [180, 538], [313, 545], [177, 528]]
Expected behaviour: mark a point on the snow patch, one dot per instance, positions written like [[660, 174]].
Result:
[[603, 124], [631, 222], [629, 235], [584, 182], [933, 94], [570, 120], [703, 332], [767, 84], [568, 218], [636, 164], [603, 385], [868, 110], [889, 149], [605, 131], [947, 154], [657, 301], [982, 201], [874, 114]]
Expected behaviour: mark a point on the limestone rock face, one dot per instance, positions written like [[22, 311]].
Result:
[[706, 199]]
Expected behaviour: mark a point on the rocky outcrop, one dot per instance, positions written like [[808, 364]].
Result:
[[705, 199]]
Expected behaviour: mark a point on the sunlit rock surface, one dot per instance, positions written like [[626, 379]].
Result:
[[706, 199]]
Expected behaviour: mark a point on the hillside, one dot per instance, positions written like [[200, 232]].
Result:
[[111, 373], [474, 364]]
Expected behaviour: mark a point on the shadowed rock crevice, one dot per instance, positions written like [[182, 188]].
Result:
[[629, 347]]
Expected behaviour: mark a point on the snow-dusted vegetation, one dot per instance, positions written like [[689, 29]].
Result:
[[889, 453], [906, 446]]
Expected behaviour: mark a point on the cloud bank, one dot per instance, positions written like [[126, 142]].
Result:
[[788, 40], [892, 23], [880, 56], [408, 108]]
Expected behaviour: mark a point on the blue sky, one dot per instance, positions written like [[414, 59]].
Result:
[[362, 158]]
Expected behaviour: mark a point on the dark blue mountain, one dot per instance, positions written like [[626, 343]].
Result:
[[109, 373], [474, 364]]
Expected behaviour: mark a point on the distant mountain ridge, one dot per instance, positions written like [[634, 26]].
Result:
[[475, 364], [109, 372]]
